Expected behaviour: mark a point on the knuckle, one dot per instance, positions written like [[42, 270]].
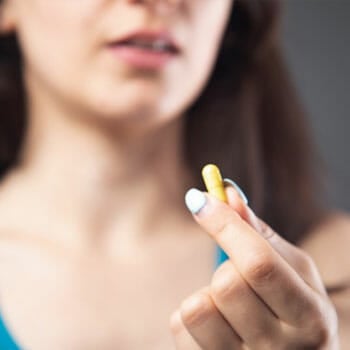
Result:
[[265, 230], [319, 332], [321, 325], [260, 268], [305, 264], [196, 309], [225, 229], [226, 283]]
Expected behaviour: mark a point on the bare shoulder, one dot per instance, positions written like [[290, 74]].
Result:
[[328, 244]]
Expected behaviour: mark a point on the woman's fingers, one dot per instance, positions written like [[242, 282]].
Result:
[[264, 270], [298, 259], [204, 323], [183, 339], [243, 309]]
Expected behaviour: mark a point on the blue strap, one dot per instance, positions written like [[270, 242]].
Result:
[[6, 340], [221, 256]]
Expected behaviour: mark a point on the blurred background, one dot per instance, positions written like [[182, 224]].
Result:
[[316, 37]]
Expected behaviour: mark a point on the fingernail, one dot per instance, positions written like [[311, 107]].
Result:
[[238, 189], [195, 200]]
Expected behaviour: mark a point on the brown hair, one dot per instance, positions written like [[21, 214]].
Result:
[[248, 120]]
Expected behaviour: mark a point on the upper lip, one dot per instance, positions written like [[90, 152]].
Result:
[[150, 35]]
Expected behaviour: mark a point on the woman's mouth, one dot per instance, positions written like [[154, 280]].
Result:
[[145, 49]]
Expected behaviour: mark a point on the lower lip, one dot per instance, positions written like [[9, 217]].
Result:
[[142, 58]]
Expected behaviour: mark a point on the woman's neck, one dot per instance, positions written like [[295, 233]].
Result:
[[98, 182]]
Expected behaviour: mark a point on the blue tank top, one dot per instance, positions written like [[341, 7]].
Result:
[[6, 340], [8, 343]]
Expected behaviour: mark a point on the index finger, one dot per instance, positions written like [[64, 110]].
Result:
[[266, 272], [294, 256]]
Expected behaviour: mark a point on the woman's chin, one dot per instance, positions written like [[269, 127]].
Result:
[[131, 116], [113, 109]]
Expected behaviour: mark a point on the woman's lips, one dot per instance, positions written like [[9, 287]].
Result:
[[140, 48], [143, 58]]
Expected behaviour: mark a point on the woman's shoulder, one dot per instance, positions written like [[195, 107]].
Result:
[[328, 245]]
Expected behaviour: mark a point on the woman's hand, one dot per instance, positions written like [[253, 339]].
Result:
[[268, 295]]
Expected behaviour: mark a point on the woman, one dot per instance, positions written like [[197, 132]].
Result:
[[109, 109]]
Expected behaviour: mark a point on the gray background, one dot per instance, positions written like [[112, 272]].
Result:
[[316, 38]]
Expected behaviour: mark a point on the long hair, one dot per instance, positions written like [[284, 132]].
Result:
[[248, 120]]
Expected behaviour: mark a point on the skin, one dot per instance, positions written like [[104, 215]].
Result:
[[267, 283], [100, 203]]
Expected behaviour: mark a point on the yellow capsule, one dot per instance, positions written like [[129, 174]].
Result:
[[213, 181]]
